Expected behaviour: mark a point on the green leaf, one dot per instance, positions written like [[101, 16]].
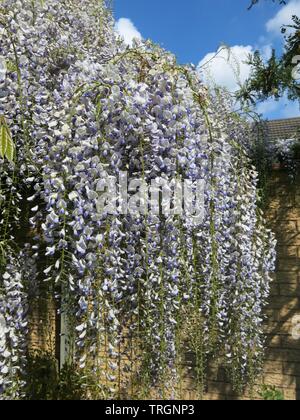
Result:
[[3, 144], [7, 147], [10, 149]]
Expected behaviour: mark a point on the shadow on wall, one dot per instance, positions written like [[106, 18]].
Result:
[[282, 360], [282, 368]]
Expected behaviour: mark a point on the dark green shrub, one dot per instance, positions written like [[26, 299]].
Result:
[[271, 393], [46, 382]]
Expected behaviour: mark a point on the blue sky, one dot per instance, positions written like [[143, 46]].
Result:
[[194, 30]]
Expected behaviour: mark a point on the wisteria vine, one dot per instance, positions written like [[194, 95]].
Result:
[[138, 291]]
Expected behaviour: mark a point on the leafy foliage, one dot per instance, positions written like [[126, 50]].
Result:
[[45, 382], [271, 393], [276, 76], [254, 2]]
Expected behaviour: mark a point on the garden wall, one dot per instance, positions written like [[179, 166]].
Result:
[[44, 327], [282, 362]]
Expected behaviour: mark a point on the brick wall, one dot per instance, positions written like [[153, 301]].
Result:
[[282, 361], [283, 355], [44, 325]]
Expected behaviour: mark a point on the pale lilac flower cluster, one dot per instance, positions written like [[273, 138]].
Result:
[[13, 330], [286, 151], [82, 107]]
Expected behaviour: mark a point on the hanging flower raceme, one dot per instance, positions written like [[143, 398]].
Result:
[[100, 129], [287, 152], [13, 329]]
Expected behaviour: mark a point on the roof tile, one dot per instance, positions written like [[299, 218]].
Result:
[[283, 129]]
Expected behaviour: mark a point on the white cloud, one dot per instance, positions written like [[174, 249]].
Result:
[[283, 17], [221, 69], [266, 50], [127, 30], [226, 68]]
